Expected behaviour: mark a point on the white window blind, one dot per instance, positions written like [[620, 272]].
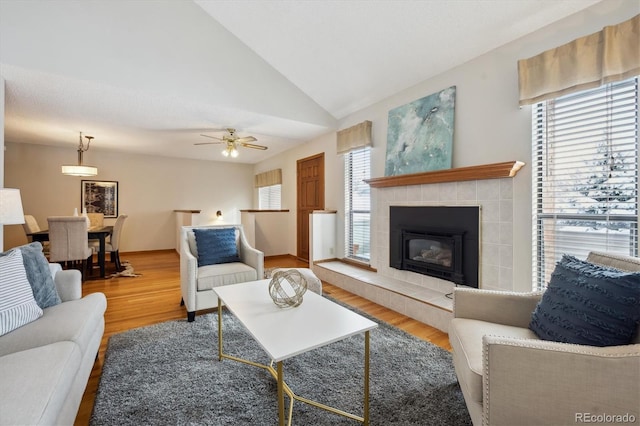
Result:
[[585, 155], [269, 197], [357, 204]]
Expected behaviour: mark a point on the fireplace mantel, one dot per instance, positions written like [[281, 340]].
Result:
[[485, 171]]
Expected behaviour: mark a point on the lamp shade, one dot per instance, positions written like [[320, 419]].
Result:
[[10, 207], [79, 170]]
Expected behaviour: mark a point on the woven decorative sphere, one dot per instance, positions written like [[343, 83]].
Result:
[[286, 288]]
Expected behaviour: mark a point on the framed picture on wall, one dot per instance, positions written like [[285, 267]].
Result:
[[99, 196]]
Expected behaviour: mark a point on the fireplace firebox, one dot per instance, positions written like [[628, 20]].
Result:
[[439, 241]]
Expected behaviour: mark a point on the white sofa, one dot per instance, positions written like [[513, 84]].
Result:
[[509, 376], [196, 282], [45, 365]]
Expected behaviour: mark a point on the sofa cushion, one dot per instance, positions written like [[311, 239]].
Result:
[[588, 304], [216, 246], [36, 382], [75, 321], [465, 336], [38, 274], [223, 274], [17, 305]]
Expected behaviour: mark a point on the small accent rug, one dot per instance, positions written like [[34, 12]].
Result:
[[268, 272], [126, 272], [169, 374]]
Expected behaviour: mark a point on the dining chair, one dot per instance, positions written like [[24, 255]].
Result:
[[112, 245], [96, 220], [30, 226], [69, 242]]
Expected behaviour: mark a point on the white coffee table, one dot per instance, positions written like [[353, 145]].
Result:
[[284, 333]]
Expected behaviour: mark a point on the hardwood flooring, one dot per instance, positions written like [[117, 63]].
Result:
[[154, 297]]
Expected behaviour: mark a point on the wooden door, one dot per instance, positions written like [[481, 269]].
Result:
[[310, 197]]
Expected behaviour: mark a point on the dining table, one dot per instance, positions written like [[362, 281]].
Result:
[[98, 233]]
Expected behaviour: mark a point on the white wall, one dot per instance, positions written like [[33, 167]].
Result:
[[150, 188], [334, 180], [264, 231], [489, 125]]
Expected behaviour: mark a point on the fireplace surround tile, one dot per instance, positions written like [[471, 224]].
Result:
[[423, 297]]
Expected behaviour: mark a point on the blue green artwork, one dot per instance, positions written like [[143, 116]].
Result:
[[420, 134]]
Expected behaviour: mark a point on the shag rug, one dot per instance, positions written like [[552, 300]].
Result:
[[169, 374]]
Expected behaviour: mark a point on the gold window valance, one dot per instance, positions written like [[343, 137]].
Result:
[[269, 178], [612, 54], [354, 137]]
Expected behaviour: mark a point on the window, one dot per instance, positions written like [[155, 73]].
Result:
[[585, 177], [269, 197], [357, 204]]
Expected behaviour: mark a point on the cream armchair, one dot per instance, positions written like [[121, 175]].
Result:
[[509, 376], [196, 282]]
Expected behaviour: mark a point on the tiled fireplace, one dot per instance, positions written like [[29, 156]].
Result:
[[495, 199], [423, 297]]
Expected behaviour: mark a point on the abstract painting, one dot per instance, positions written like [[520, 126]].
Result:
[[420, 134], [100, 197]]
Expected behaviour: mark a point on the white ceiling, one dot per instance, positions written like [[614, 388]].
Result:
[[150, 76]]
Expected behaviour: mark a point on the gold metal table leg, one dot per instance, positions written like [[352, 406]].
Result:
[[366, 379], [219, 329], [281, 394]]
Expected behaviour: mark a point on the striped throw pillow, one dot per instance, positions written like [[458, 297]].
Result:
[[17, 304]]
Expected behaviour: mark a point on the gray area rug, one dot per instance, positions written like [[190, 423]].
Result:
[[169, 373]]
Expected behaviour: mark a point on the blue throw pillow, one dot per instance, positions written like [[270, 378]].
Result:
[[588, 304], [39, 275], [216, 246]]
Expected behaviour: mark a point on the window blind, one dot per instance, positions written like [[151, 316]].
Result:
[[357, 205], [269, 197], [585, 155]]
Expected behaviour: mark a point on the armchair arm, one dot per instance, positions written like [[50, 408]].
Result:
[[252, 257], [188, 276], [68, 282], [534, 382], [499, 307]]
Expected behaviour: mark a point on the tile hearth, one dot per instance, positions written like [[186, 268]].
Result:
[[426, 305]]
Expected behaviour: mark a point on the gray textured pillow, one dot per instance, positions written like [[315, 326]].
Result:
[[39, 275]]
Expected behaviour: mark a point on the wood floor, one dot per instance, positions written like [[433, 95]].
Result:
[[154, 297]]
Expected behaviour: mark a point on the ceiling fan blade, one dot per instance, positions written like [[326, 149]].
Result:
[[250, 145], [208, 143], [212, 137], [246, 139]]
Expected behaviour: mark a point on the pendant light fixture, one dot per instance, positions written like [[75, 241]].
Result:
[[80, 169]]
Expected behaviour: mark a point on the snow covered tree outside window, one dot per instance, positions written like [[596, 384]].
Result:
[[585, 180]]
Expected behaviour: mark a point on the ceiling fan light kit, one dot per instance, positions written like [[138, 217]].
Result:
[[232, 141], [80, 169], [230, 151]]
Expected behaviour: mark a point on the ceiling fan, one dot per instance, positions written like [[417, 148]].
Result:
[[231, 142]]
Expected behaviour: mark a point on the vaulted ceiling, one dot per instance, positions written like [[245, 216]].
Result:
[[149, 77]]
